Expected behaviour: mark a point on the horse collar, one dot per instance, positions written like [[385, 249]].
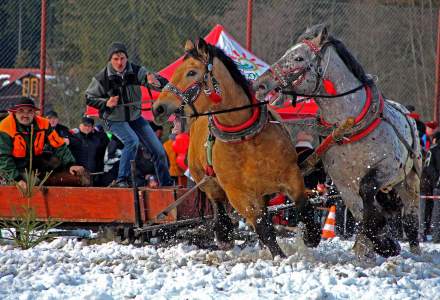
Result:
[[242, 132], [365, 123], [365, 109]]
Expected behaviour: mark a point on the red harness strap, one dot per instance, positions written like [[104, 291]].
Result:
[[361, 114], [329, 141], [247, 124]]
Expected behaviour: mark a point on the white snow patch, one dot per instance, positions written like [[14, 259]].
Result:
[[69, 269]]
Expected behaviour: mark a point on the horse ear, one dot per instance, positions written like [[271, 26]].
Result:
[[189, 45], [321, 35], [202, 48]]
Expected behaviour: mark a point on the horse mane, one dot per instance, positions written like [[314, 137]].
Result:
[[349, 60], [230, 65]]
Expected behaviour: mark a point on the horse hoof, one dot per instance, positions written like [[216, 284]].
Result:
[[277, 252], [415, 249], [312, 235], [363, 247], [280, 255], [387, 247], [224, 246]]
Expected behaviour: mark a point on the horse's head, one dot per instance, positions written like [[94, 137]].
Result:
[[299, 70], [311, 67], [197, 85]]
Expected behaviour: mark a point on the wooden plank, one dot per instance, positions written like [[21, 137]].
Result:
[[156, 200], [72, 204]]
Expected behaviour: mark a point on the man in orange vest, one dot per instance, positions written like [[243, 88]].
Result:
[[176, 159], [15, 138]]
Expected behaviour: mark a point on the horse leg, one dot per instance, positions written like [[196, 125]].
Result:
[[256, 215], [362, 247], [312, 229], [409, 191], [374, 223], [266, 233], [223, 227]]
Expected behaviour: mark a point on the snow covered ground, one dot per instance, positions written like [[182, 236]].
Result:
[[69, 269]]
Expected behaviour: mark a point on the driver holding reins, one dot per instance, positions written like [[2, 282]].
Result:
[[116, 92]]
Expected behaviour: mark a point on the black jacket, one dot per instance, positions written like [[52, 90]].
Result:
[[127, 86], [89, 150], [62, 131], [431, 171]]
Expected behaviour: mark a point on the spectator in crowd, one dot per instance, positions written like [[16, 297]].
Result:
[[175, 169], [112, 157], [88, 148], [158, 130], [431, 128], [304, 148], [102, 134], [3, 114], [115, 92], [62, 130], [15, 141], [145, 172], [421, 127], [144, 166], [430, 186]]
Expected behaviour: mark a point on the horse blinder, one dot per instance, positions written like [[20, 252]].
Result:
[[190, 94], [214, 96]]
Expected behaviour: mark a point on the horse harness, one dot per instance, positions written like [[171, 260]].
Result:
[[191, 93], [227, 134], [368, 119]]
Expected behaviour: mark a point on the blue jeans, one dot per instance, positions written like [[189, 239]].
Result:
[[131, 133]]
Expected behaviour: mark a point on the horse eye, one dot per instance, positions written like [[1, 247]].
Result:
[[191, 73], [299, 58]]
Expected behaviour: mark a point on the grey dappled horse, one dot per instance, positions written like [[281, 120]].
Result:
[[378, 157]]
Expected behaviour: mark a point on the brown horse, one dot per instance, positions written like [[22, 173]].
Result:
[[251, 157]]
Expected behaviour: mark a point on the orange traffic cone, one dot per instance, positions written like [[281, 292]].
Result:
[[328, 231]]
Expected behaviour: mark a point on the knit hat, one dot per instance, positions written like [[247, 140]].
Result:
[[23, 102], [432, 124], [87, 121], [116, 47], [51, 114]]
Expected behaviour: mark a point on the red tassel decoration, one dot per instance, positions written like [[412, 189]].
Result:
[[329, 87], [215, 98]]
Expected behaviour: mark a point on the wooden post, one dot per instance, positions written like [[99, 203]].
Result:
[[437, 72], [137, 207], [249, 26], [42, 55]]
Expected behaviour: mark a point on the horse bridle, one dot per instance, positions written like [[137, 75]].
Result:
[[282, 77], [191, 93]]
